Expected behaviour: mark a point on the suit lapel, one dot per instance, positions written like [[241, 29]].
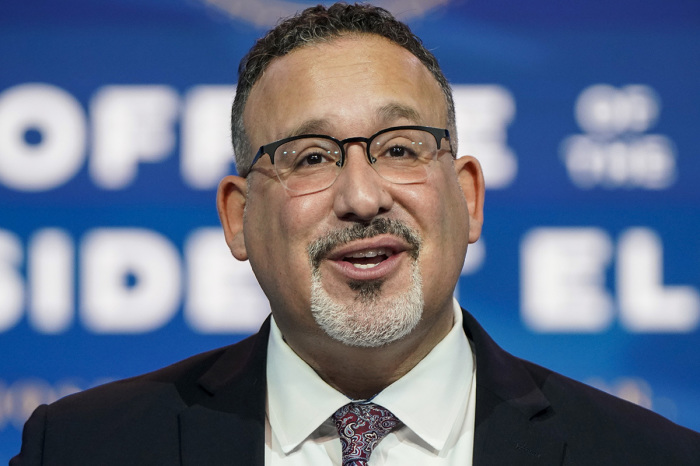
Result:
[[514, 420], [226, 424], [505, 435], [217, 438]]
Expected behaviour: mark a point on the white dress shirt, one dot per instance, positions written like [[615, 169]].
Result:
[[436, 401]]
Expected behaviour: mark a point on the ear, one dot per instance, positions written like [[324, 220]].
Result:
[[471, 179], [230, 202]]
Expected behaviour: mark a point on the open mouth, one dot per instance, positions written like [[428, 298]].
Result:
[[360, 247], [377, 258], [368, 258]]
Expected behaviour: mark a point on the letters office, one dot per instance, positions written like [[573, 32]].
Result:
[[355, 214]]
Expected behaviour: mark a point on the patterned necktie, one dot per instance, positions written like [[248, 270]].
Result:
[[361, 426]]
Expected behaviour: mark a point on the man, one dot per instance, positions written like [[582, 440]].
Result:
[[355, 215]]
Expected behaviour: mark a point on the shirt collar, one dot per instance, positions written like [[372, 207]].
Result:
[[431, 397], [428, 399], [298, 400]]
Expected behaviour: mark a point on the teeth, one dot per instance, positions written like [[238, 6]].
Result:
[[370, 253], [364, 266]]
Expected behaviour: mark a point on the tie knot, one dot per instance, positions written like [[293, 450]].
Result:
[[361, 426]]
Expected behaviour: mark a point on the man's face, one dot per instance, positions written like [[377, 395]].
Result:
[[352, 86]]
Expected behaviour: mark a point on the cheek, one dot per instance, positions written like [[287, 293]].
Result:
[[440, 208], [277, 235], [455, 226], [443, 219]]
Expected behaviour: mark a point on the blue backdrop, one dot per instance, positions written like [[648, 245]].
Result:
[[113, 136]]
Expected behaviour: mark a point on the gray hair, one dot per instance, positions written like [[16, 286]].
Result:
[[321, 24]]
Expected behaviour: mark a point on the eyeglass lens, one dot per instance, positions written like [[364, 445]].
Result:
[[311, 164]]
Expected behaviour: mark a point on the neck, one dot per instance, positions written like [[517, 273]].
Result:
[[360, 373]]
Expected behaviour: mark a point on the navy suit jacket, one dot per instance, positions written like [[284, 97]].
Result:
[[210, 410]]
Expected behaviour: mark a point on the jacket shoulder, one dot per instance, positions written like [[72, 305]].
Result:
[[181, 378], [596, 423], [131, 418], [581, 423]]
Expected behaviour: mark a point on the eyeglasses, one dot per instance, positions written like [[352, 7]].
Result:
[[312, 162]]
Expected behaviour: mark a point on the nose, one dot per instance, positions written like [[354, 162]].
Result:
[[360, 193]]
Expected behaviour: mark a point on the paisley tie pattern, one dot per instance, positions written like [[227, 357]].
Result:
[[361, 426]]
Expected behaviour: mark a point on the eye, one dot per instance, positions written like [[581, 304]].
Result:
[[306, 153], [315, 157], [400, 151], [312, 159]]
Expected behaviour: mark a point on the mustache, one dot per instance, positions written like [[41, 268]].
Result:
[[379, 226]]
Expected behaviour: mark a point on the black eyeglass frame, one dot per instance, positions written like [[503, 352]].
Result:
[[438, 133]]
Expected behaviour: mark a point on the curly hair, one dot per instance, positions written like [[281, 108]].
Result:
[[321, 24]]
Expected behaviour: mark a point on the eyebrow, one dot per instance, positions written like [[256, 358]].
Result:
[[386, 114], [395, 111], [315, 126]]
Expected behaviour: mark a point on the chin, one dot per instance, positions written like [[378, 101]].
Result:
[[372, 319]]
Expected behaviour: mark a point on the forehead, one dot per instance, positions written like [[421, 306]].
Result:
[[349, 85]]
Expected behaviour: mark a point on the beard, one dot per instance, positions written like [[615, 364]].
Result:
[[372, 319]]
